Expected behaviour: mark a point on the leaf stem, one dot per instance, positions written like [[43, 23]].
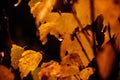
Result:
[[84, 32], [82, 47], [8, 27], [80, 25]]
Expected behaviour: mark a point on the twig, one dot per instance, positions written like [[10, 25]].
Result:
[[8, 27], [84, 32], [80, 25], [82, 47]]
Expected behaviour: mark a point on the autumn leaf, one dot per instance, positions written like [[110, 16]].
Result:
[[41, 9], [69, 70], [53, 70], [29, 62], [60, 25], [49, 70], [5, 73], [57, 25], [16, 54], [72, 59], [81, 7], [73, 73], [72, 46], [32, 3]]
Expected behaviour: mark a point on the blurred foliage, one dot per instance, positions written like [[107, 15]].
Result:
[[76, 50], [5, 73]]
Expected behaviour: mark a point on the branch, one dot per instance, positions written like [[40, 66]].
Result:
[[8, 27]]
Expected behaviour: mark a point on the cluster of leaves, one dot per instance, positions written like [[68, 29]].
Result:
[[62, 26], [70, 68], [26, 61], [75, 50]]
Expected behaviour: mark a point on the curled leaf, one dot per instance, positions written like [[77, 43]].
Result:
[[29, 62], [32, 3]]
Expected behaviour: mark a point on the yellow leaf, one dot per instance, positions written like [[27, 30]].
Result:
[[41, 9], [49, 70], [32, 3], [69, 70], [60, 25], [16, 54], [82, 8], [65, 24], [29, 62], [57, 25], [44, 31], [83, 13], [72, 59], [73, 46]]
